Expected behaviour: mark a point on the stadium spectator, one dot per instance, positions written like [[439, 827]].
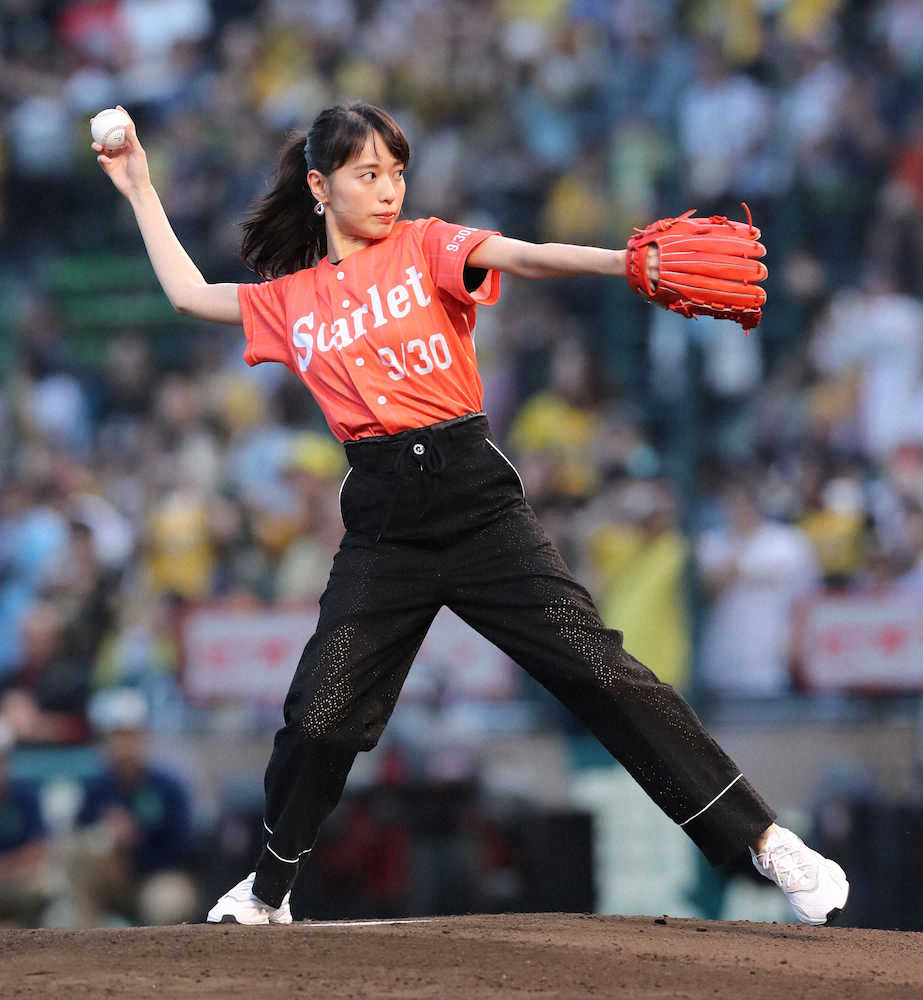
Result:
[[637, 556], [754, 569], [876, 330], [835, 520], [315, 471], [553, 430], [720, 173], [24, 887], [33, 535], [896, 235], [44, 700], [129, 855]]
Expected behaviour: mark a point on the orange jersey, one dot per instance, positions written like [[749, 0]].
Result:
[[384, 338]]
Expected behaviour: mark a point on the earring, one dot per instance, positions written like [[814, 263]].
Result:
[[319, 208]]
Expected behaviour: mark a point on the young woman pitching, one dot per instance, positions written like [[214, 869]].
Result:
[[376, 316]]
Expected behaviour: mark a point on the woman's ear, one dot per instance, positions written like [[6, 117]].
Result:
[[317, 184]]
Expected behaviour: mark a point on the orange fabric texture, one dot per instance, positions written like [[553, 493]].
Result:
[[384, 338]]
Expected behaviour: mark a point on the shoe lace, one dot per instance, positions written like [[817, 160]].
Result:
[[788, 866]]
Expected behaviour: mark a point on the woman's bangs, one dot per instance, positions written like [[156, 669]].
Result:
[[390, 131], [362, 122], [350, 141]]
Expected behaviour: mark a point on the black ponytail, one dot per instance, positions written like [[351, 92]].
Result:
[[283, 234]]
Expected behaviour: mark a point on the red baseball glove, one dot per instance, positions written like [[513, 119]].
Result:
[[706, 267]]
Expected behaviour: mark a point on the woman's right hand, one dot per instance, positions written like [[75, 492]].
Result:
[[126, 167]]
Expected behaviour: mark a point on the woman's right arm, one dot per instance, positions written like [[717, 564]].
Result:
[[189, 293]]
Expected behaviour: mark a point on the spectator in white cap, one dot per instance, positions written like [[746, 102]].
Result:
[[134, 830]]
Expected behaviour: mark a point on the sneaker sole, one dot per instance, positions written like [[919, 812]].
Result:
[[228, 918]]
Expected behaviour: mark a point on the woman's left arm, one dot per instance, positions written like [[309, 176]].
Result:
[[545, 260]]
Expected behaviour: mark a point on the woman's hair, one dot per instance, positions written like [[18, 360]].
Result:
[[283, 234]]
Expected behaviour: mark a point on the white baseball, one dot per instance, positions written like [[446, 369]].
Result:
[[108, 128]]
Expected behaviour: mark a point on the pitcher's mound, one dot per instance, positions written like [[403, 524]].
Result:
[[518, 955]]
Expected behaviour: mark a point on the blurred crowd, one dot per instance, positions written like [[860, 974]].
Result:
[[698, 480], [651, 445]]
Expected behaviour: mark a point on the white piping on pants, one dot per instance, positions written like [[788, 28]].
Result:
[[288, 861], [340, 494], [271, 851], [510, 464], [713, 801]]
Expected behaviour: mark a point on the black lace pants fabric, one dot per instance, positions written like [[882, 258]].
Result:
[[454, 530]]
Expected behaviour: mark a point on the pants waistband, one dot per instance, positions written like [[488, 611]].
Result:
[[450, 436]]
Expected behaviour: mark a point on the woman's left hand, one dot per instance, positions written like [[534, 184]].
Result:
[[653, 264]]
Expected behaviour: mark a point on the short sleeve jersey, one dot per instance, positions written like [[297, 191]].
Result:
[[384, 339]]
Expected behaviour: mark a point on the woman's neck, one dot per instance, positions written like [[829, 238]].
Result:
[[340, 245]]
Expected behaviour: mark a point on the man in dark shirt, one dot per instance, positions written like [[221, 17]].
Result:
[[22, 845], [135, 826]]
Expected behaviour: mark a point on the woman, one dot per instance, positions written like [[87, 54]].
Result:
[[376, 317]]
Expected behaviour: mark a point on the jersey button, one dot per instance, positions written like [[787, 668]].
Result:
[[340, 275], [382, 400]]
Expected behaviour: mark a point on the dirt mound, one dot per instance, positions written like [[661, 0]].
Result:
[[533, 955]]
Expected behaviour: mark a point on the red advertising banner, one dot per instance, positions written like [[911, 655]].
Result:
[[860, 642], [249, 656]]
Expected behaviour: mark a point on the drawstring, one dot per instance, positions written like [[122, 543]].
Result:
[[422, 451]]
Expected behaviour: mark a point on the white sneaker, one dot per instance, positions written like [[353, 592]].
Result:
[[240, 906], [816, 887]]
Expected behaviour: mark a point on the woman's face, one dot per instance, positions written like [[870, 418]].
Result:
[[363, 198]]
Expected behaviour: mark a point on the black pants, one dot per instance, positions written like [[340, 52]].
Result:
[[436, 517]]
